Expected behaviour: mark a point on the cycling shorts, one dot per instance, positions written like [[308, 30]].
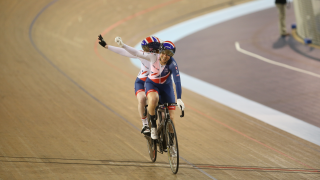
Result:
[[165, 92], [138, 86]]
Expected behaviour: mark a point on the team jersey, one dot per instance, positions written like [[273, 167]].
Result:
[[145, 64], [159, 74]]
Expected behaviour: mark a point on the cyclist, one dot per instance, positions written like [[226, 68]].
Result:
[[149, 44], [159, 81]]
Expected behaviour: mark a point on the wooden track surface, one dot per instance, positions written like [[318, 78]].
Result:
[[68, 110]]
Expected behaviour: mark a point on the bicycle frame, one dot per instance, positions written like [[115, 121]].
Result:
[[167, 137], [162, 108]]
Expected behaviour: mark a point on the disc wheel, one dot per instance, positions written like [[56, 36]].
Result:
[[172, 146]]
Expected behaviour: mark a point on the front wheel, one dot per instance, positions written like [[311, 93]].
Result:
[[172, 146], [152, 145], [152, 148]]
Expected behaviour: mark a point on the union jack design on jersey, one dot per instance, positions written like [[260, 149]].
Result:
[[159, 73], [144, 69], [159, 77]]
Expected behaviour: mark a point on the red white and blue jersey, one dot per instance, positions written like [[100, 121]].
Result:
[[144, 69], [160, 74]]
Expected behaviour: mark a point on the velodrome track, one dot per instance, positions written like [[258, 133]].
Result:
[[68, 109]]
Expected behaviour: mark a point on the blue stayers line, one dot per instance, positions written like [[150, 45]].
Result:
[[57, 68]]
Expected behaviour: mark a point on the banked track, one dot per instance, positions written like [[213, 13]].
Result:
[[66, 112]]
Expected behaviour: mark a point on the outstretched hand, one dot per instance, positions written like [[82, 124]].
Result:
[[118, 40], [101, 41]]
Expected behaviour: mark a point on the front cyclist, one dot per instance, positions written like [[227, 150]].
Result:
[[159, 81], [149, 44]]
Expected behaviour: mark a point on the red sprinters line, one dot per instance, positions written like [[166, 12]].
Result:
[[262, 169]]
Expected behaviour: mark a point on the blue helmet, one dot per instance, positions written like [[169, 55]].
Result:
[[150, 44], [167, 47]]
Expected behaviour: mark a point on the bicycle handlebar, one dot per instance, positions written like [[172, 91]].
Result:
[[175, 104], [164, 105], [182, 113]]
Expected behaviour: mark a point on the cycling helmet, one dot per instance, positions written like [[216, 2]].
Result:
[[167, 47], [150, 44]]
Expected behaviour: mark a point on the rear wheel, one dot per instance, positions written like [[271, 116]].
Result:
[[172, 146], [152, 145]]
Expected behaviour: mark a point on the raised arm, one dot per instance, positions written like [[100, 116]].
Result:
[[120, 51], [144, 55], [117, 50]]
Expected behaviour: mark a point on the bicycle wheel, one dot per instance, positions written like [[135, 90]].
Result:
[[152, 145], [172, 146], [152, 148]]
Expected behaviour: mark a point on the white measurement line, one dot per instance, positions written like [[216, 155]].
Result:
[[274, 62]]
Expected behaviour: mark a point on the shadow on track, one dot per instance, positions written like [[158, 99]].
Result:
[[103, 162], [281, 42]]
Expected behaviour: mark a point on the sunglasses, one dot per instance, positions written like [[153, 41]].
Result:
[[167, 52]]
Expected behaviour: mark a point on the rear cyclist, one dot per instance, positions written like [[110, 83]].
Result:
[[159, 81], [149, 44]]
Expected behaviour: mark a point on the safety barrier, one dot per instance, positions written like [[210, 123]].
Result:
[[307, 14]]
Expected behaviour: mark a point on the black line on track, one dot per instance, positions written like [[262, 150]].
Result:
[[63, 73]]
